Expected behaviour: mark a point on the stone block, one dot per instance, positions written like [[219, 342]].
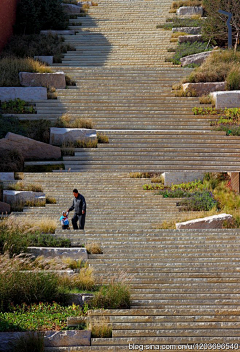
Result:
[[189, 38], [29, 148], [70, 8], [204, 88], [24, 93], [229, 99], [4, 208], [190, 11], [69, 338], [52, 252], [189, 30], [56, 80], [58, 32], [195, 59], [60, 135], [79, 298], [45, 59], [7, 176], [13, 197], [175, 178], [210, 222]]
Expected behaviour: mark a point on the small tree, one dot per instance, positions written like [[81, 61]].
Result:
[[215, 28]]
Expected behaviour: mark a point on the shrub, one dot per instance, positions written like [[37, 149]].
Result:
[[32, 342], [67, 121], [17, 106], [46, 240], [23, 46], [35, 15], [198, 201], [94, 248], [181, 22], [11, 160], [101, 329], [188, 48], [140, 175], [51, 200], [83, 280], [205, 99], [113, 296], [154, 186], [102, 138], [233, 78], [10, 68], [20, 186]]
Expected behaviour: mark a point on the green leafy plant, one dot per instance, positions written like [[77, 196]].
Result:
[[185, 49], [17, 106]]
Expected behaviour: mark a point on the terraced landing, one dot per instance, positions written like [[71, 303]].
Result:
[[124, 86]]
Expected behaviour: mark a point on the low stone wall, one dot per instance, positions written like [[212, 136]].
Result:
[[52, 252], [24, 93], [210, 222], [190, 11], [56, 80], [229, 99], [60, 135], [11, 196], [175, 178]]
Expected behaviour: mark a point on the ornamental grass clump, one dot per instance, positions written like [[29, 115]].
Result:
[[11, 66], [114, 296]]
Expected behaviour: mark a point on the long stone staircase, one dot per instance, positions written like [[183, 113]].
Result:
[[184, 284], [124, 85]]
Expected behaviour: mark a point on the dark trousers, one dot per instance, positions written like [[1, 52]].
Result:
[[81, 219]]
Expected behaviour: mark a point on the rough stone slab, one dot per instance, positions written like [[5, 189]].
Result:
[[56, 80], [30, 148], [60, 135], [189, 38], [189, 30], [71, 8], [190, 11], [58, 32], [210, 222], [51, 338], [7, 176], [175, 178], [67, 338], [11, 196], [45, 59], [4, 208], [73, 253], [24, 93], [204, 88], [229, 99], [79, 299], [195, 59]]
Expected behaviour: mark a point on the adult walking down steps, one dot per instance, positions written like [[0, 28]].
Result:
[[79, 206]]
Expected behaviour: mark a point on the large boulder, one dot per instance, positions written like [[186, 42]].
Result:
[[4, 207], [190, 38], [190, 11], [79, 299], [56, 80], [14, 197], [195, 58], [58, 136], [52, 252], [176, 178], [189, 30], [45, 59], [70, 8], [204, 88], [210, 222], [29, 148], [229, 99], [24, 93]]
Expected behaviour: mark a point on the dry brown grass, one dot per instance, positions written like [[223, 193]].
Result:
[[94, 248], [186, 93], [205, 99], [45, 226], [67, 121], [84, 280], [176, 4], [102, 138], [11, 66], [100, 328], [21, 186]]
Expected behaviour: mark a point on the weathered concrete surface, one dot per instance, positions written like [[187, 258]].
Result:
[[73, 252], [11, 196], [190, 11], [58, 32], [56, 80], [210, 222], [24, 93], [189, 30], [45, 59], [229, 99], [60, 135], [71, 8], [189, 38], [67, 338], [204, 88], [195, 59], [7, 176], [30, 148], [4, 208], [175, 178]]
